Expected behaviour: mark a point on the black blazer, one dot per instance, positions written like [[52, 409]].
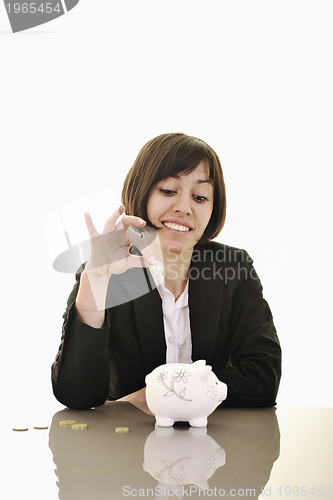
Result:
[[231, 326]]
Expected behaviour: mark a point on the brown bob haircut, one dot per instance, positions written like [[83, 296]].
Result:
[[166, 156]]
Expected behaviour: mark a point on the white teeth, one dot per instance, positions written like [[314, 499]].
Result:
[[177, 227]]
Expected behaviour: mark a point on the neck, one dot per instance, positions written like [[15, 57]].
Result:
[[176, 267]]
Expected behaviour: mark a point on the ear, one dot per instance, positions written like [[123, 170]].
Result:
[[200, 362], [203, 372]]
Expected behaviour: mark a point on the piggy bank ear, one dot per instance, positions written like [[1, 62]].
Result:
[[200, 362], [203, 372]]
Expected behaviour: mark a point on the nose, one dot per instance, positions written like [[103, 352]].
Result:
[[182, 204]]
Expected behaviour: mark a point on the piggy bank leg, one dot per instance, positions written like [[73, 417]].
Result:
[[164, 421], [198, 422]]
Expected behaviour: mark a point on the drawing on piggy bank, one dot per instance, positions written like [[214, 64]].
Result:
[[184, 392]]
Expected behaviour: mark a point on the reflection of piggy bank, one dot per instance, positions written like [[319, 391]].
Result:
[[184, 392], [182, 456]]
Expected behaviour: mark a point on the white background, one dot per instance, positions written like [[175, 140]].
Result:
[[79, 97]]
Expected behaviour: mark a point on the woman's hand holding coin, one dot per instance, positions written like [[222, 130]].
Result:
[[110, 249]]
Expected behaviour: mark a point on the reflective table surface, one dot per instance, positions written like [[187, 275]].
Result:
[[243, 453]]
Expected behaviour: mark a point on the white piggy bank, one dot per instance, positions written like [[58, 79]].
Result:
[[183, 392]]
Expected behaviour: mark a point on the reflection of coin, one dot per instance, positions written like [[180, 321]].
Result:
[[22, 429], [67, 423], [79, 427], [41, 427], [121, 430]]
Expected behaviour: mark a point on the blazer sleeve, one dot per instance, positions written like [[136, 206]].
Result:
[[254, 368], [80, 373]]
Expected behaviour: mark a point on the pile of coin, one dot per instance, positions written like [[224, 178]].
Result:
[[73, 425]]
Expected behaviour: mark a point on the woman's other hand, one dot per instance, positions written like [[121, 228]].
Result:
[[138, 399]]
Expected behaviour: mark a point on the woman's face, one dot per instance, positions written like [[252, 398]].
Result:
[[181, 208]]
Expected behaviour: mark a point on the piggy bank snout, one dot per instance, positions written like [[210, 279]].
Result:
[[222, 391]]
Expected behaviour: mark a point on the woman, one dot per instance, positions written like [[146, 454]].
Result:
[[123, 318]]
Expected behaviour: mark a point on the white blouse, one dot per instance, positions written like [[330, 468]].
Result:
[[176, 319]]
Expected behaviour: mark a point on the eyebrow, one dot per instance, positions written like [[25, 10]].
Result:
[[204, 181], [199, 181]]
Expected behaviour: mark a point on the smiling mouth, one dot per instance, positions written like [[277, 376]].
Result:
[[176, 227]]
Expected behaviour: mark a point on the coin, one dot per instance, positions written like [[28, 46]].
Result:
[[22, 429], [41, 427], [121, 430], [79, 427], [67, 423]]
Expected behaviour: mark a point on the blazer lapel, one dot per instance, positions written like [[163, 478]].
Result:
[[149, 320], [205, 302]]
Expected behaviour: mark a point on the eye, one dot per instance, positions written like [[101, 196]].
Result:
[[167, 192], [200, 199]]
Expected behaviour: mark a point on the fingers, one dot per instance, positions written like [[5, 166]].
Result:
[[130, 220], [111, 222], [141, 240], [118, 236], [127, 220], [93, 233]]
